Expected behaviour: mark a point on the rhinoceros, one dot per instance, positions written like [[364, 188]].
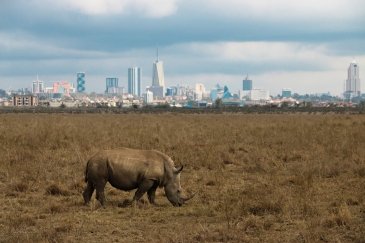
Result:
[[128, 169]]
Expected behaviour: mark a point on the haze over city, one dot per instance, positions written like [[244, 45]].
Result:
[[306, 46]]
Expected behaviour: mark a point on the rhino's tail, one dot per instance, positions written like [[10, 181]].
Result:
[[87, 166]]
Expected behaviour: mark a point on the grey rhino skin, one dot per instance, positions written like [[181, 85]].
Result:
[[128, 169]]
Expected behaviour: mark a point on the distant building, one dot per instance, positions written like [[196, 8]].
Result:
[[199, 91], [171, 91], [247, 84], [5, 102], [216, 93], [259, 95], [148, 97], [157, 91], [158, 78], [80, 82], [181, 90], [48, 90], [353, 81], [25, 100], [134, 81], [226, 93], [63, 88], [111, 86], [286, 93], [37, 86]]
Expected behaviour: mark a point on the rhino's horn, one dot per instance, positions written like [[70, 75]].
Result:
[[188, 198]]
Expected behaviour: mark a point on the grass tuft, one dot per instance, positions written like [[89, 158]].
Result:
[[55, 190]]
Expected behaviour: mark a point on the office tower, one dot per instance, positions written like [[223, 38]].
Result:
[[353, 81], [171, 91], [134, 81], [247, 84], [80, 82], [37, 86], [199, 91], [111, 86], [286, 93], [158, 78]]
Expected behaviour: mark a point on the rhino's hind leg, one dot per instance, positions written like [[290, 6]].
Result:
[[88, 192], [100, 192], [152, 193]]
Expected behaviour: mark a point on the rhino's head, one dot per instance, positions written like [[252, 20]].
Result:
[[173, 189]]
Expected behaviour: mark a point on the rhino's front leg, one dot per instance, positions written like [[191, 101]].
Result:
[[152, 193], [145, 186]]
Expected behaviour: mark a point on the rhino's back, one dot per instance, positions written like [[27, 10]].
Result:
[[127, 168]]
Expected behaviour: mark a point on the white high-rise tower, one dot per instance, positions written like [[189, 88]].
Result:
[[353, 81], [158, 78], [38, 86]]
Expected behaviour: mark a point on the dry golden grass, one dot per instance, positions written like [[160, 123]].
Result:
[[272, 178]]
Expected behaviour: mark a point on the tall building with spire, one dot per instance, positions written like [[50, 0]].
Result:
[[158, 78], [352, 88], [37, 86]]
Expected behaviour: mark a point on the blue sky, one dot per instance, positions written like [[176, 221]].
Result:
[[306, 46]]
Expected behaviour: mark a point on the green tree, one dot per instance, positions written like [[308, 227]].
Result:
[[218, 103]]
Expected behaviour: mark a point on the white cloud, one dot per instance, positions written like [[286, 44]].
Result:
[[287, 9], [265, 52], [259, 51], [21, 45], [149, 8], [285, 54]]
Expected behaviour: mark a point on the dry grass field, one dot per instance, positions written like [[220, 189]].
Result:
[[258, 178]]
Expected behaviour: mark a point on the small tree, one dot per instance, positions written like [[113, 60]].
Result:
[[218, 103], [362, 105]]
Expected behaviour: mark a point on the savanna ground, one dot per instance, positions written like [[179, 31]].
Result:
[[271, 178]]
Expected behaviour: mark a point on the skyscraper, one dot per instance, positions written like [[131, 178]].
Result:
[[286, 93], [247, 84], [353, 81], [38, 86], [80, 82], [111, 86], [158, 78], [134, 81]]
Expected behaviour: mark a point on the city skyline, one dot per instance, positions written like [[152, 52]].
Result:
[[303, 46]]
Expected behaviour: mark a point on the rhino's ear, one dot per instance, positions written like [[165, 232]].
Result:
[[178, 169]]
